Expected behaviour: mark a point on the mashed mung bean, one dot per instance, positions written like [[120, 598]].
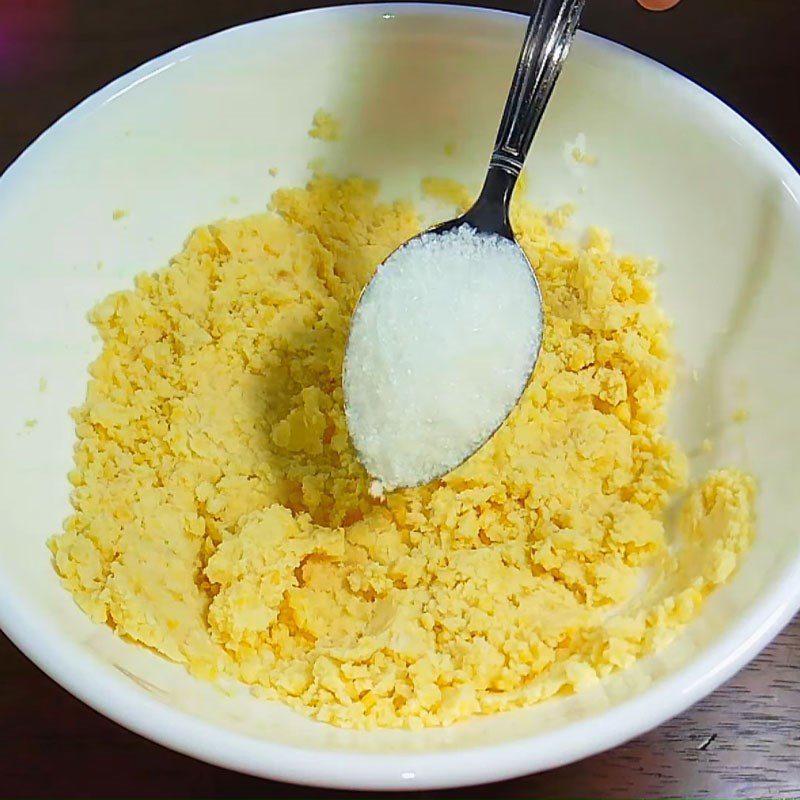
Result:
[[222, 519]]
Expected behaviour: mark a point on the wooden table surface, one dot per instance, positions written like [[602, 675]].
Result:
[[742, 741]]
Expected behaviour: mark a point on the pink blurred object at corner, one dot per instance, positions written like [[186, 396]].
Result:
[[658, 5], [33, 36]]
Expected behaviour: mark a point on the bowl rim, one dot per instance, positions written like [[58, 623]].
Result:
[[108, 694]]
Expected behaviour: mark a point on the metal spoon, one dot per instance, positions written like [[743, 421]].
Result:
[[547, 40]]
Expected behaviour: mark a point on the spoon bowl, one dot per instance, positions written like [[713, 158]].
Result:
[[442, 345]]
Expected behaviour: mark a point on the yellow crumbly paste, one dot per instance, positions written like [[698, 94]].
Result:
[[222, 519], [325, 126]]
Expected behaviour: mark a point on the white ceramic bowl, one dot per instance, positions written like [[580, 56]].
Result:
[[679, 176]]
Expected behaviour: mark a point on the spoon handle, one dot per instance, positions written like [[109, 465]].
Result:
[[546, 45]]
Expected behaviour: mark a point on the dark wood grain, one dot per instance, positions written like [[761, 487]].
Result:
[[742, 741]]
